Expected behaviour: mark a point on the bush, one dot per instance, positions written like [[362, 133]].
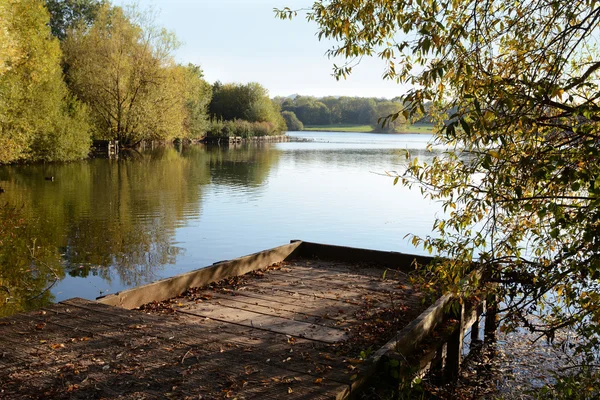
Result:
[[292, 121], [242, 128]]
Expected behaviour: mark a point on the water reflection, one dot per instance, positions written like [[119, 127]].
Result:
[[105, 225], [29, 266], [245, 165]]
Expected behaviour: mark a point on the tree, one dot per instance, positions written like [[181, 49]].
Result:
[[198, 99], [122, 68], [249, 102], [519, 180], [39, 120], [309, 110], [67, 14], [292, 122], [380, 123]]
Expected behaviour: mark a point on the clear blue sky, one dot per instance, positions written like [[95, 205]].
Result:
[[242, 41]]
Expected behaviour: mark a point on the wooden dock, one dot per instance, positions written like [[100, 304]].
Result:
[[306, 321]]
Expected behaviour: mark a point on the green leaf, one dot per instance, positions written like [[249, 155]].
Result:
[[465, 126]]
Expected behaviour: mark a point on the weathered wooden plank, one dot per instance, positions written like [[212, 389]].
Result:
[[360, 272], [340, 311], [171, 287], [267, 322], [270, 307], [292, 356], [317, 291], [386, 259], [278, 349], [345, 281], [194, 330]]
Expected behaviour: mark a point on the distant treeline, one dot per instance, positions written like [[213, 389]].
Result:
[[76, 70], [306, 110]]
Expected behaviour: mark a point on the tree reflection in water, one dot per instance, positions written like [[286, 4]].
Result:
[[112, 219], [29, 266]]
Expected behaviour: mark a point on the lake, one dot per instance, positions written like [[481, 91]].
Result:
[[104, 225]]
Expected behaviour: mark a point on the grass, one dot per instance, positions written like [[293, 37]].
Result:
[[419, 128], [416, 128], [339, 128]]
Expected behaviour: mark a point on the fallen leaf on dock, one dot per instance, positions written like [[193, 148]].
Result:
[[136, 326]]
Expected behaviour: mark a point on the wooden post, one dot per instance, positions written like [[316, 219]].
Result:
[[437, 364], [475, 330], [491, 318], [455, 347]]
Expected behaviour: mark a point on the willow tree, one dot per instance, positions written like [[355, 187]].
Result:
[[39, 120], [514, 88], [122, 68]]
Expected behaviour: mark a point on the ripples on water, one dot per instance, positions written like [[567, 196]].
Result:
[[110, 225]]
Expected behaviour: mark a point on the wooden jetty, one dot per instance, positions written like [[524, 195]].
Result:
[[106, 148], [300, 321]]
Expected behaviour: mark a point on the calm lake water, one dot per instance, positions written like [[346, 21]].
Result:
[[103, 225]]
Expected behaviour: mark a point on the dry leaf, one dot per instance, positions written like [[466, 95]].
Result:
[[136, 326]]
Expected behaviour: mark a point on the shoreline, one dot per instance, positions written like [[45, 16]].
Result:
[[411, 129]]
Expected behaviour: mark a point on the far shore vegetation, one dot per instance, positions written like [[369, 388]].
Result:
[[72, 72], [352, 114], [76, 71]]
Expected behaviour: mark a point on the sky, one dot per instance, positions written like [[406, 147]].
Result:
[[242, 41]]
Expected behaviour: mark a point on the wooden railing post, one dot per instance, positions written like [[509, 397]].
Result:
[[455, 347], [491, 317]]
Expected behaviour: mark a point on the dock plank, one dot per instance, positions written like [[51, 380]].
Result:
[[266, 322]]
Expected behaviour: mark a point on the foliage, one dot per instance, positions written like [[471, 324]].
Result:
[[292, 122], [380, 123], [308, 110], [345, 110], [580, 385], [67, 14], [199, 94], [518, 180], [122, 68], [39, 120], [241, 128], [249, 102]]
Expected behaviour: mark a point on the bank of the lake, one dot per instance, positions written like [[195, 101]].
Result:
[[415, 128]]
